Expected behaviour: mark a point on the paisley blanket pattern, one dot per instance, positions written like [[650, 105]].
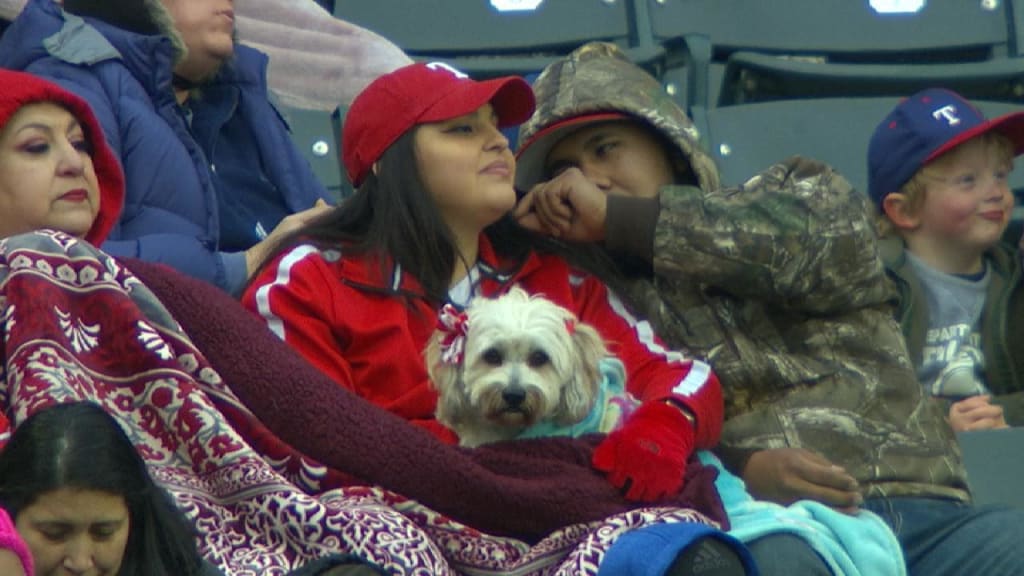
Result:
[[78, 324]]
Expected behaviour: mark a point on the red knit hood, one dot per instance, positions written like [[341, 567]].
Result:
[[18, 89]]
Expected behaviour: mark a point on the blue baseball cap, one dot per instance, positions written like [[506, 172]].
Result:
[[923, 127]]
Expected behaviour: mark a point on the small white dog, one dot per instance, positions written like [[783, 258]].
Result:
[[511, 362]]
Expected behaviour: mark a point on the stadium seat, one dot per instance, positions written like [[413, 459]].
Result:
[[854, 30], [994, 465], [485, 41], [747, 138], [337, 123], [314, 132], [755, 48], [752, 77]]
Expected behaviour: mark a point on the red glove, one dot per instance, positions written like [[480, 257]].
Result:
[[647, 455]]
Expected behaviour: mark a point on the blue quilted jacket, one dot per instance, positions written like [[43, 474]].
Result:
[[170, 211]]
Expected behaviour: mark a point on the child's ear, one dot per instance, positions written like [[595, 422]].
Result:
[[896, 207]]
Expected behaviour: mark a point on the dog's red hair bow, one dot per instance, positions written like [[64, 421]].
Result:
[[454, 325]]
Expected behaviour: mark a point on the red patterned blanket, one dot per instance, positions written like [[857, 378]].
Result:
[[218, 428]]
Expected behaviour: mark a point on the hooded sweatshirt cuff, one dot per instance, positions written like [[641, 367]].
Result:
[[734, 459], [629, 226]]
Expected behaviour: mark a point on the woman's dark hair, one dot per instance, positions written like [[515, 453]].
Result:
[[392, 216], [78, 445]]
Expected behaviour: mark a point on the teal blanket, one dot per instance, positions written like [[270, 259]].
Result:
[[852, 545]]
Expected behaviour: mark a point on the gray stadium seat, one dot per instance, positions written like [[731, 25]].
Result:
[[751, 77], [732, 51], [746, 138], [314, 133], [995, 463], [478, 38], [840, 27]]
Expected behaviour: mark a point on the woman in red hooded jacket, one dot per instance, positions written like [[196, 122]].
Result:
[[56, 170]]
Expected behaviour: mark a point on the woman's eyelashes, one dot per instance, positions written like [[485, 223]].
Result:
[[81, 144], [104, 531], [471, 124], [54, 532], [61, 532], [460, 129], [41, 144], [35, 147]]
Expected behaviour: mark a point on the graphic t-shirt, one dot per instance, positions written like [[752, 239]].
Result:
[[952, 365]]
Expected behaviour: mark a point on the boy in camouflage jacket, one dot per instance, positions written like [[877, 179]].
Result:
[[778, 284]]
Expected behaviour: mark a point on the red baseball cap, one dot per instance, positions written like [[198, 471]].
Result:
[[417, 94]]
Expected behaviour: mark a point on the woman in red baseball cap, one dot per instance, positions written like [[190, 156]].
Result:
[[56, 170], [358, 291]]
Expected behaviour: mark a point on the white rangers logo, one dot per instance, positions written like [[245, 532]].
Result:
[[947, 113], [442, 66]]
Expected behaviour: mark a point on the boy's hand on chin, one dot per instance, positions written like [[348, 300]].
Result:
[[568, 206]]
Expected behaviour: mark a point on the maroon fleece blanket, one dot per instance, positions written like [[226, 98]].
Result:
[[524, 489]]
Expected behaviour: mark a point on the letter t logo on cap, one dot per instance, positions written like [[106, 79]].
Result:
[[948, 113], [442, 66]]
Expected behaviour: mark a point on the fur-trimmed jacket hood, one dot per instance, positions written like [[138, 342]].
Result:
[[147, 17]]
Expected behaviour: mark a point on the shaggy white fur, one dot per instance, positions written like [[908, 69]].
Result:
[[521, 360]]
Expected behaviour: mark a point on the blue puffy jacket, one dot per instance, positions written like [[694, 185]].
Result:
[[170, 211]]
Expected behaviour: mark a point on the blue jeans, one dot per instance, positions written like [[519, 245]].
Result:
[[786, 555], [948, 538]]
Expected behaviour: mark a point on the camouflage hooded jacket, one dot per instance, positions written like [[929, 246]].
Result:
[[779, 285]]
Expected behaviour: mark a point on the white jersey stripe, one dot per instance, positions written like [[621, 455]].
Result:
[[284, 270], [695, 379], [699, 371]]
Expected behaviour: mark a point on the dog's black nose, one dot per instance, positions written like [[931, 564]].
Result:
[[513, 395]]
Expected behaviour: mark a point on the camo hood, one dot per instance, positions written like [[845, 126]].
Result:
[[597, 82]]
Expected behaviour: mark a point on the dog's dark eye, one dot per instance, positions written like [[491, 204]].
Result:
[[493, 357], [538, 358]]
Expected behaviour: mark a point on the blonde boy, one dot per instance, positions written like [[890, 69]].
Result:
[[938, 175]]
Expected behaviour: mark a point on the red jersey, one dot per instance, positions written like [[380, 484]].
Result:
[[354, 326]]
